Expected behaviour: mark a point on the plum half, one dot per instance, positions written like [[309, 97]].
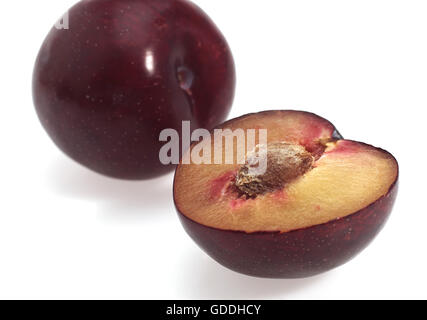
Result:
[[105, 88], [321, 200]]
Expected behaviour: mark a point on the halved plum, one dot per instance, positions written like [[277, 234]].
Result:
[[320, 202]]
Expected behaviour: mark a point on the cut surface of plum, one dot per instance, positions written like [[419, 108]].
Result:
[[320, 202], [346, 177]]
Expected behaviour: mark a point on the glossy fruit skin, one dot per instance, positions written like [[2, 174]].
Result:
[[125, 70], [295, 254]]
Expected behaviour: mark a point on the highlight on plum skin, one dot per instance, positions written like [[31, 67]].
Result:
[[318, 218]]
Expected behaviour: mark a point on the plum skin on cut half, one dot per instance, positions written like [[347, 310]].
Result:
[[125, 70], [234, 236]]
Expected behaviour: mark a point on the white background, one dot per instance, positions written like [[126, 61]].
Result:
[[66, 232]]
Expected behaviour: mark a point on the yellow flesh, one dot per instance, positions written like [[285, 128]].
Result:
[[342, 183]]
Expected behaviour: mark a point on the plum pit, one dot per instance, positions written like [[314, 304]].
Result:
[[285, 163]]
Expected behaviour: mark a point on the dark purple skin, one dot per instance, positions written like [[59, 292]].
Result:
[[295, 254], [125, 70]]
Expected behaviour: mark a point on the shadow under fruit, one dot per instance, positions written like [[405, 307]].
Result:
[[321, 201], [125, 70]]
